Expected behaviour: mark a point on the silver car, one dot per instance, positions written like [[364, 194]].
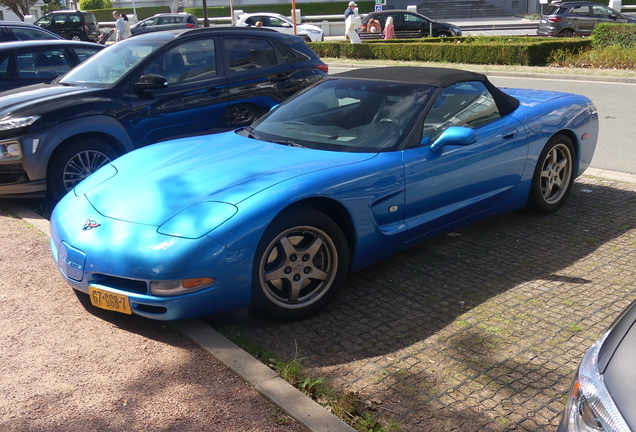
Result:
[[577, 18]]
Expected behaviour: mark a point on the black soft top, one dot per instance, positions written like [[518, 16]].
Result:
[[435, 77]]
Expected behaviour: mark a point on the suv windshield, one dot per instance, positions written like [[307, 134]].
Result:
[[109, 65], [345, 115]]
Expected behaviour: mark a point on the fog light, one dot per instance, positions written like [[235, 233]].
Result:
[[178, 287], [11, 150]]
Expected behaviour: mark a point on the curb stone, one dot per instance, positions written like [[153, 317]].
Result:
[[267, 382]]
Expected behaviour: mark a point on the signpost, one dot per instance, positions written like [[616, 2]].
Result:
[[379, 4]]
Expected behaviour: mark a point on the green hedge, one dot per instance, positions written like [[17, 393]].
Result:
[[332, 8], [105, 15], [606, 34], [505, 51]]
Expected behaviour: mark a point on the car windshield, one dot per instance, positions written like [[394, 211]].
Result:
[[348, 115], [109, 65]]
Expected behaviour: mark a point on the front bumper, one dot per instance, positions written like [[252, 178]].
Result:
[[124, 258]]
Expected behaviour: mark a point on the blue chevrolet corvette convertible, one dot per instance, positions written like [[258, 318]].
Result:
[[354, 169]]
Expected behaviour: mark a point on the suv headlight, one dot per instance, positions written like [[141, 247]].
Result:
[[314, 31], [590, 407], [10, 150], [9, 123]]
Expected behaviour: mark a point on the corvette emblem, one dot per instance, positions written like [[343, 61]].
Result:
[[90, 224]]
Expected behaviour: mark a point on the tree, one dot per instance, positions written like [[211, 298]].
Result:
[[18, 7]]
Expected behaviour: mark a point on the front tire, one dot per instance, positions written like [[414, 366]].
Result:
[[74, 162], [553, 175], [299, 266]]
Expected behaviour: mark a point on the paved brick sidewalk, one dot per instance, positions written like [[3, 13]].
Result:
[[481, 329]]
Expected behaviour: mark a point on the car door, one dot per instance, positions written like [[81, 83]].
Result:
[[604, 14], [258, 77], [582, 19], [458, 181], [414, 23], [61, 25], [194, 101]]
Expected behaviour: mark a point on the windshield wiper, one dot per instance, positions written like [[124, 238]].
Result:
[[287, 143], [250, 133]]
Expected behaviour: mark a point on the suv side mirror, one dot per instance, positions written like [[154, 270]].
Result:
[[150, 82]]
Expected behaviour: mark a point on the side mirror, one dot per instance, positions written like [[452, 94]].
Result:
[[286, 25], [151, 82], [454, 135]]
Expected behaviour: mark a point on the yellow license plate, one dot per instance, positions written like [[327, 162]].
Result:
[[109, 301]]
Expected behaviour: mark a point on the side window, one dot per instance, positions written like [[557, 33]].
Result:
[[59, 20], [289, 54], [74, 19], [84, 53], [601, 12], [151, 21], [30, 34], [42, 64], [249, 53], [580, 11], [275, 22], [188, 62], [411, 18], [4, 66], [468, 104]]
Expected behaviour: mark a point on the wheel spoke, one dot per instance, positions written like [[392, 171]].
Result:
[[314, 247], [276, 274]]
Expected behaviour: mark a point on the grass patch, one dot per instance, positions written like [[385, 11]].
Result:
[[346, 406]]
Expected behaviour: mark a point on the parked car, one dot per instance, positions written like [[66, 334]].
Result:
[[165, 21], [412, 24], [602, 394], [32, 62], [281, 23], [20, 31], [577, 17], [72, 25], [149, 88], [356, 168]]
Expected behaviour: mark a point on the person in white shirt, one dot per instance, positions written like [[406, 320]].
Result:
[[120, 27]]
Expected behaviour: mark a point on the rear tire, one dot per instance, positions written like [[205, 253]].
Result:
[[300, 264], [75, 161], [553, 175]]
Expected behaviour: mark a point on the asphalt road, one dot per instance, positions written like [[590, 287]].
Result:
[[615, 101]]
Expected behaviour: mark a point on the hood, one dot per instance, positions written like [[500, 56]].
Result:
[[24, 97], [152, 184]]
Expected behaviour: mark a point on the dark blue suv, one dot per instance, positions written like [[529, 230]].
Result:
[[150, 88]]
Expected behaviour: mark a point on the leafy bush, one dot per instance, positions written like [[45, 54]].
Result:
[[95, 4], [480, 50], [609, 34]]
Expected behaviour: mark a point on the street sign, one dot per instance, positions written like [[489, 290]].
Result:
[[378, 7], [379, 2]]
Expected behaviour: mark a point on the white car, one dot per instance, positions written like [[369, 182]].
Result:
[[281, 23]]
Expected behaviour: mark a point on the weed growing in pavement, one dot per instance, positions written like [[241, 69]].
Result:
[[346, 406]]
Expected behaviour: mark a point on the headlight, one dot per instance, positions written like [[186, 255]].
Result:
[[590, 408], [314, 31], [16, 123], [456, 30], [177, 287]]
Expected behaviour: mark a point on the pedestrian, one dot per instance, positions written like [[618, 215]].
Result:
[[389, 30], [120, 27], [350, 10], [126, 25], [374, 26]]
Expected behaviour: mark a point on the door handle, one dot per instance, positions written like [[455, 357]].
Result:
[[509, 133]]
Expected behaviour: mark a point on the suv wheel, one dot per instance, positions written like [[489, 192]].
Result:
[[75, 161], [76, 37]]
